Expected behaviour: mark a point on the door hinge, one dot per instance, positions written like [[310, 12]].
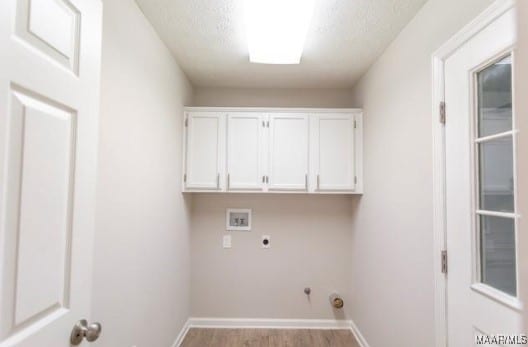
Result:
[[442, 112], [184, 177], [443, 256]]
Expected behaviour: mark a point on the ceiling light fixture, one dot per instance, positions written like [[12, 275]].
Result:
[[276, 29]]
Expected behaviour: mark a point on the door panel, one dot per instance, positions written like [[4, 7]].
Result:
[[334, 157], [205, 151], [60, 41], [245, 137], [288, 152], [42, 149], [480, 223], [49, 94]]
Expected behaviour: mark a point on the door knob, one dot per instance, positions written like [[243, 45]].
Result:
[[83, 330]]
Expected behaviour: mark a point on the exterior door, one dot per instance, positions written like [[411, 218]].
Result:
[[245, 151], [288, 152], [205, 166], [481, 222], [49, 97]]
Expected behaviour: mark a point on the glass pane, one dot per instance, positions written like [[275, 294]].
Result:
[[498, 253], [495, 98], [496, 175]]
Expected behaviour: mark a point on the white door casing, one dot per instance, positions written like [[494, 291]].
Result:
[[49, 99], [464, 306]]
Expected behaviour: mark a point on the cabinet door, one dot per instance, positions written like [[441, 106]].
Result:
[[245, 151], [205, 149], [334, 154], [288, 152]]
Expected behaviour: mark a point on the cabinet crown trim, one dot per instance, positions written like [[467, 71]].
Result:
[[272, 109]]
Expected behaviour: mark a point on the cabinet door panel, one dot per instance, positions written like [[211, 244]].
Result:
[[288, 152], [244, 151], [204, 151], [335, 160]]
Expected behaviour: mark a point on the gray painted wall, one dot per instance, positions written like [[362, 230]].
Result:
[[310, 247], [272, 97], [310, 235], [142, 243], [391, 271]]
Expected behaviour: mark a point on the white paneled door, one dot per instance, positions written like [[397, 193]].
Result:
[[288, 152], [245, 151], [49, 92], [481, 223]]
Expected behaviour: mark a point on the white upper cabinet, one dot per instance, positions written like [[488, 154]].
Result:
[[245, 151], [334, 152], [205, 151], [256, 150], [288, 152]]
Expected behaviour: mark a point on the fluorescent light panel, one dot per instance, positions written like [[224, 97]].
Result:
[[276, 29]]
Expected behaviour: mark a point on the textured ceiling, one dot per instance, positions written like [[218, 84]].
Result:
[[208, 40]]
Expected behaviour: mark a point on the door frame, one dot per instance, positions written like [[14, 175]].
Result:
[[439, 58]]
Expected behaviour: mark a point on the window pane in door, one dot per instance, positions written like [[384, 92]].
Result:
[[498, 266], [495, 98], [496, 175]]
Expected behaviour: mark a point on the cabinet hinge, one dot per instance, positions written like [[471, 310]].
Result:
[[442, 112], [184, 177], [443, 256]]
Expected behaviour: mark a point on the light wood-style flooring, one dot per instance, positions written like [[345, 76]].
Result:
[[200, 337]]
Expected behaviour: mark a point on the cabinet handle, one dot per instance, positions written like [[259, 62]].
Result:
[[263, 179], [318, 181], [306, 181], [228, 181], [217, 181]]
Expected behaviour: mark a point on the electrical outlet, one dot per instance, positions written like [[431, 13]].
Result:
[[266, 241], [227, 241]]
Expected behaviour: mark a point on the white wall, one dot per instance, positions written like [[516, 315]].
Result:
[[309, 248], [309, 234], [142, 264], [264, 97], [392, 261]]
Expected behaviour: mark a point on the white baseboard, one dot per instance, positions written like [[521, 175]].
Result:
[[268, 323], [359, 337], [256, 323], [181, 335]]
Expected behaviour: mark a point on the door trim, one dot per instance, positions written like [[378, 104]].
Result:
[[439, 57]]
